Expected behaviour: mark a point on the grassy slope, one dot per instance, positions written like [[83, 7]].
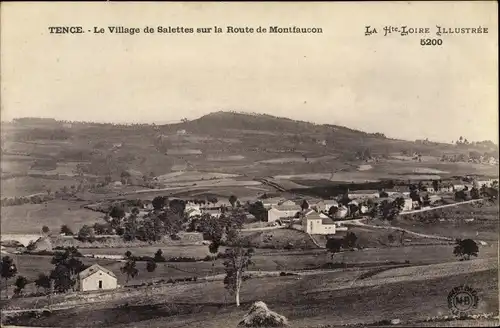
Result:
[[207, 305], [484, 227], [29, 218]]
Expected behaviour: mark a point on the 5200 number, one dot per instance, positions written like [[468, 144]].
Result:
[[431, 42]]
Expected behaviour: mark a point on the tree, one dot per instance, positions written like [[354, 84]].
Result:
[[305, 205], [159, 256], [333, 210], [212, 199], [349, 240], [8, 270], [117, 212], [333, 246], [66, 230], [435, 185], [399, 204], [129, 268], [45, 229], [21, 282], [130, 229], [67, 267], [101, 229], [43, 281], [151, 267], [232, 200], [258, 210], [159, 202], [474, 193], [344, 199], [465, 248], [238, 259], [426, 200], [383, 194], [86, 233], [460, 195], [170, 221], [177, 206], [388, 210]]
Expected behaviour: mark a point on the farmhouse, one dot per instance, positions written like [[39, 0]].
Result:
[[193, 212], [324, 205], [213, 213], [96, 277], [446, 188], [487, 183], [318, 224], [270, 202], [458, 187], [361, 194], [341, 212], [408, 206], [285, 210]]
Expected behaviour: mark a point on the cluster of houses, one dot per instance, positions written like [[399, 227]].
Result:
[[318, 217]]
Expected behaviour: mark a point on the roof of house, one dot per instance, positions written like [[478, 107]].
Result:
[[211, 212], [288, 203], [273, 200], [327, 221], [93, 269], [327, 202], [287, 208], [363, 192], [309, 212], [314, 216]]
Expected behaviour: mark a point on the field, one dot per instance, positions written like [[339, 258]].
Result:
[[29, 185], [29, 218], [225, 154], [463, 221], [345, 300], [168, 251]]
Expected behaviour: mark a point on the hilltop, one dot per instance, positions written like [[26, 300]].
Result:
[[43, 153]]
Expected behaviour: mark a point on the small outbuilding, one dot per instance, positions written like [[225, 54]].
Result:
[[96, 277]]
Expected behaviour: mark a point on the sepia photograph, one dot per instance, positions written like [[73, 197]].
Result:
[[249, 164]]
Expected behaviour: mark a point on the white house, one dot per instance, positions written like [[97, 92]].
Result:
[[96, 277], [446, 188], [324, 205], [285, 210], [316, 224], [487, 183], [362, 194], [213, 213], [270, 202], [193, 212], [408, 206], [342, 212]]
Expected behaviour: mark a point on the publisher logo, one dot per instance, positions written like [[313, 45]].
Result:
[[462, 300]]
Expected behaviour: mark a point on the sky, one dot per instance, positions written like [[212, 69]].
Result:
[[388, 84]]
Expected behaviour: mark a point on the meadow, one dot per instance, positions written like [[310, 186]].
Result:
[[207, 304], [30, 218]]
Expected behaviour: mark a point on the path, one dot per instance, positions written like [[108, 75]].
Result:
[[360, 224], [441, 206]]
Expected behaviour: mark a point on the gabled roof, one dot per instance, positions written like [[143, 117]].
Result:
[[327, 221], [287, 208], [363, 192], [93, 269], [327, 202], [314, 216]]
